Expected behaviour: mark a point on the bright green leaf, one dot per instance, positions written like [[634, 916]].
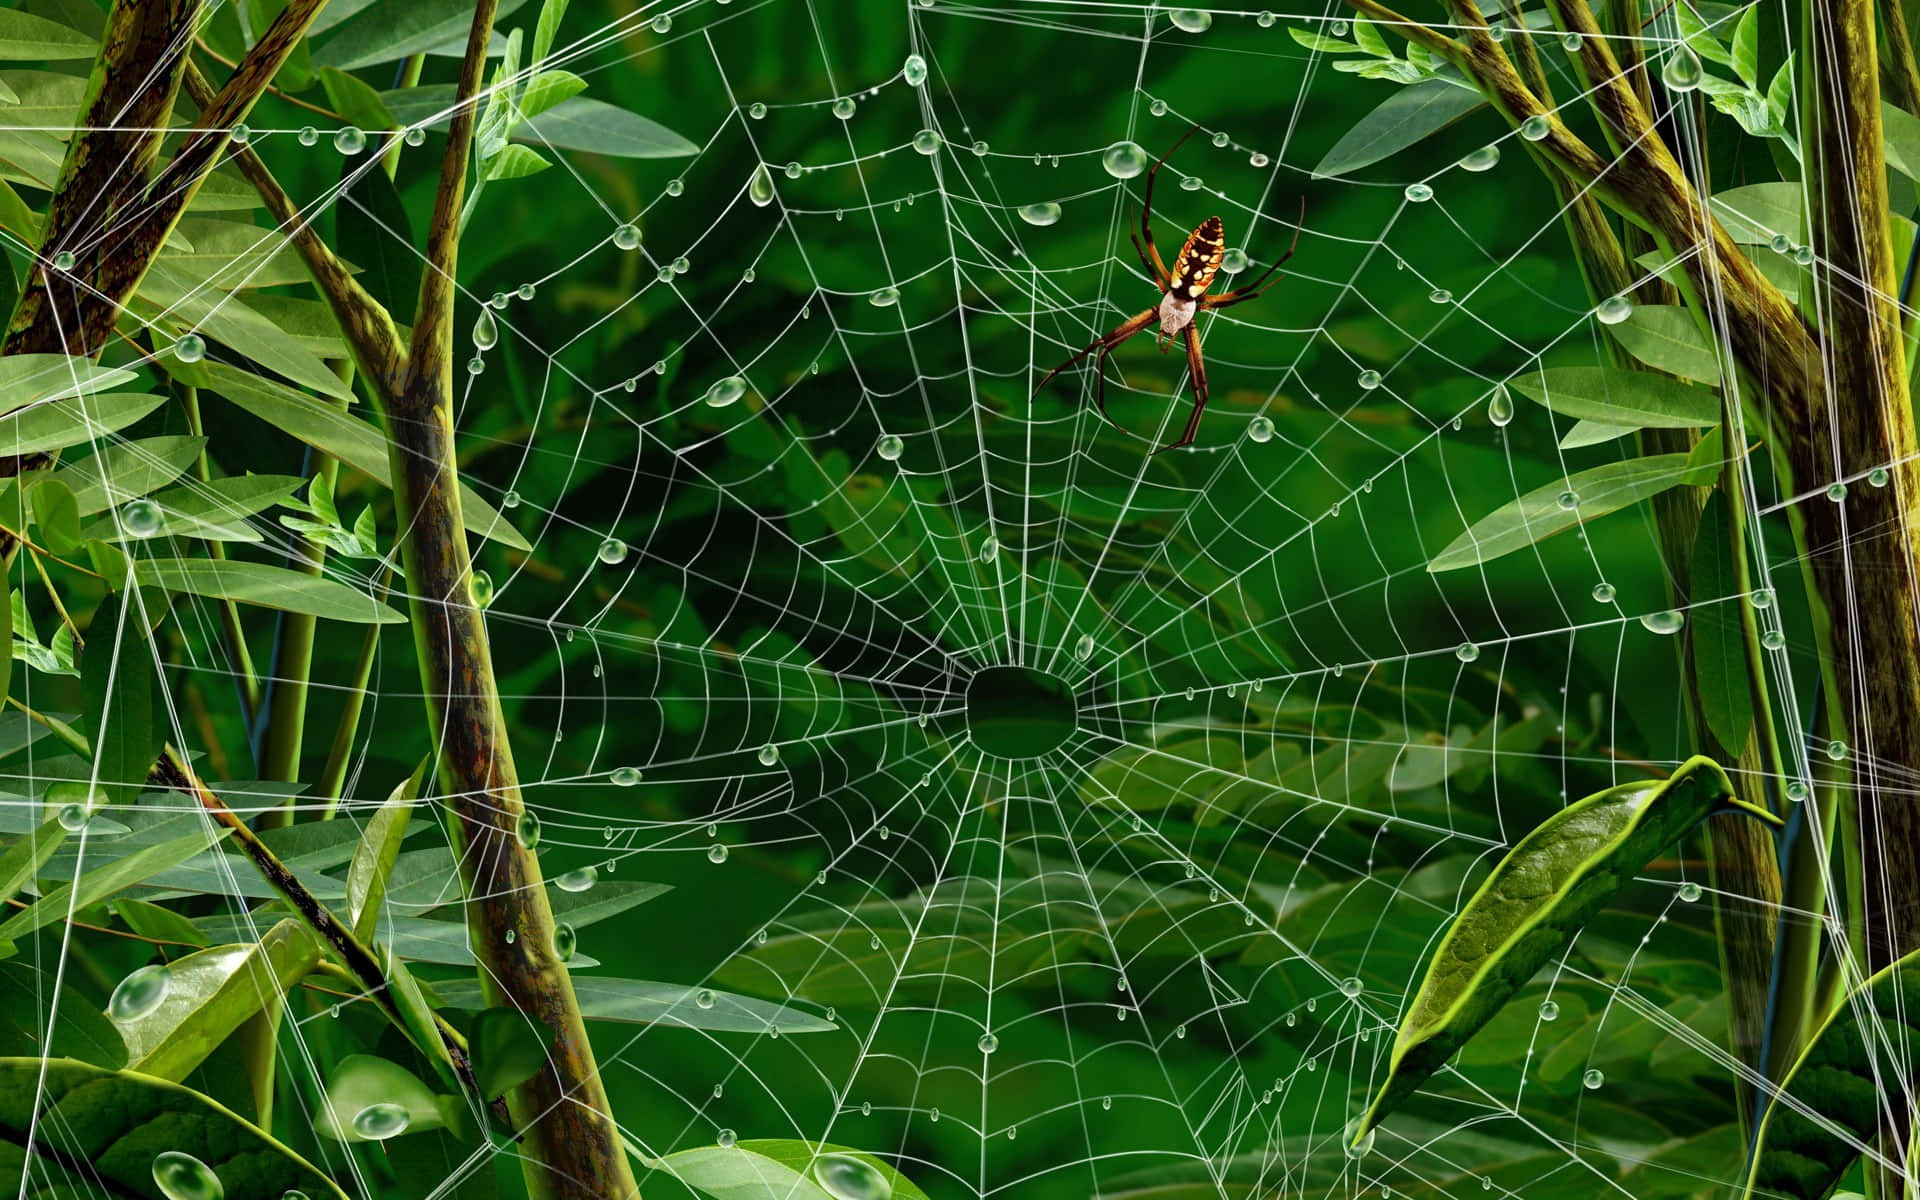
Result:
[[753, 1170], [580, 123], [379, 846], [265, 585], [27, 38], [508, 1047], [669, 1005], [388, 30], [1633, 399], [359, 1082], [113, 876]]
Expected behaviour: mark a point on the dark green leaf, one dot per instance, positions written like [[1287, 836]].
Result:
[[580, 123], [372, 229], [1541, 513], [264, 585], [117, 681], [29, 852], [1664, 337], [1410, 115], [104, 881], [94, 1128], [508, 1047], [158, 923], [756, 1169], [1532, 907], [80, 1030], [388, 30], [643, 1002], [1718, 643], [1629, 399]]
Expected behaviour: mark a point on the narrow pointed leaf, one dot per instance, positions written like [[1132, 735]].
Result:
[[62, 423], [1718, 643], [1664, 337], [509, 1047], [1540, 514], [379, 847], [265, 585], [98, 1128], [1845, 1088], [755, 1169], [1532, 907], [115, 875], [673, 1005], [1635, 399], [211, 993], [23, 859], [1408, 116]]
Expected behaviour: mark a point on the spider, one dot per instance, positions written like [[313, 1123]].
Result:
[[1183, 295]]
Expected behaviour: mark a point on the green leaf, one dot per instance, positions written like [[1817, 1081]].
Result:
[[117, 683], [509, 1048], [231, 254], [1901, 129], [360, 1081], [1320, 42], [115, 875], [79, 1029], [1718, 644], [1592, 433], [6, 646], [123, 470], [379, 846], [1746, 46], [97, 1128], [22, 861], [1664, 337], [1703, 40], [1612, 396], [216, 510], [211, 993], [27, 38], [387, 30], [158, 922], [1752, 215], [1540, 514], [347, 438], [546, 28], [670, 1005], [356, 101], [27, 380], [581, 123], [1530, 910], [1854, 1075], [754, 1170], [549, 88], [1408, 116], [515, 162], [264, 585], [59, 424], [56, 515], [1367, 36], [173, 300]]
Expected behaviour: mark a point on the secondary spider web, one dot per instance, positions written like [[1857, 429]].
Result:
[[797, 450]]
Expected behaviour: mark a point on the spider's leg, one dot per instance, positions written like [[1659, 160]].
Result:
[[1253, 290], [1159, 274], [1146, 209], [1106, 341], [1197, 368]]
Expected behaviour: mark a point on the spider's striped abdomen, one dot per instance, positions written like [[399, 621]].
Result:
[[1199, 260]]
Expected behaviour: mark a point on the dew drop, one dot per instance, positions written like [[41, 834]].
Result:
[[662, 23], [139, 994], [612, 551], [845, 1177], [1234, 261], [843, 108], [416, 136], [726, 1139], [191, 348], [1536, 128], [726, 391], [1042, 214], [1158, 108], [627, 237], [1338, 29], [1191, 183], [1613, 310], [1837, 750], [349, 140], [1681, 72], [525, 291], [1440, 296], [760, 186], [242, 133], [1773, 639], [1878, 477], [1568, 500], [1796, 790], [1369, 380], [1803, 255], [1689, 892], [1593, 1079], [757, 110], [64, 261], [1351, 986], [378, 1122], [1419, 193], [625, 776], [1669, 622], [926, 142], [1780, 243], [1260, 429], [142, 518], [526, 830], [988, 1043], [183, 1177], [1836, 492], [485, 332], [1466, 652], [1549, 1010], [915, 70], [308, 136], [1083, 648], [1500, 406], [1124, 160], [1356, 1148], [1265, 20], [769, 754], [886, 297], [1191, 20], [581, 879]]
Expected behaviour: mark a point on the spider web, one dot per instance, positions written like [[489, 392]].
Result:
[[817, 505]]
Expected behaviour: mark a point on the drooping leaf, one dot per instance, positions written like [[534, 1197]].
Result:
[[1630, 399], [211, 993], [112, 876], [754, 1169], [1409, 116], [1664, 337], [1541, 513], [1852, 1081], [359, 1082], [265, 585], [580, 123], [1532, 907], [1718, 644], [96, 1127], [643, 1002], [56, 515], [58, 424], [389, 30], [117, 681], [509, 1047], [347, 438], [379, 846]]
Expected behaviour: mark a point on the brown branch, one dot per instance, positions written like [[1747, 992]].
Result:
[[1900, 53], [432, 352]]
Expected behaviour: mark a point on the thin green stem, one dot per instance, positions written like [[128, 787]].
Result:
[[334, 774]]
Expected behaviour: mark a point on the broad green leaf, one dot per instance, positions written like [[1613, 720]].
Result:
[[1852, 1081], [58, 424], [178, 303], [265, 585], [1746, 46], [27, 38], [217, 510], [379, 846], [1541, 513], [80, 1030], [1611, 396], [1718, 644], [117, 683], [1409, 116], [347, 438], [114, 875], [754, 1170], [389, 30], [1754, 214], [95, 1128], [56, 515], [1664, 337], [21, 862], [1532, 907], [211, 993], [124, 470], [1901, 129], [1319, 41], [671, 1005], [31, 379], [356, 101], [231, 254], [515, 162], [1705, 40], [509, 1048], [1367, 36], [158, 922], [549, 88], [580, 123], [360, 1081]]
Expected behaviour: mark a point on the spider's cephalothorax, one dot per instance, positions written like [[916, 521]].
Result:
[[1183, 295]]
